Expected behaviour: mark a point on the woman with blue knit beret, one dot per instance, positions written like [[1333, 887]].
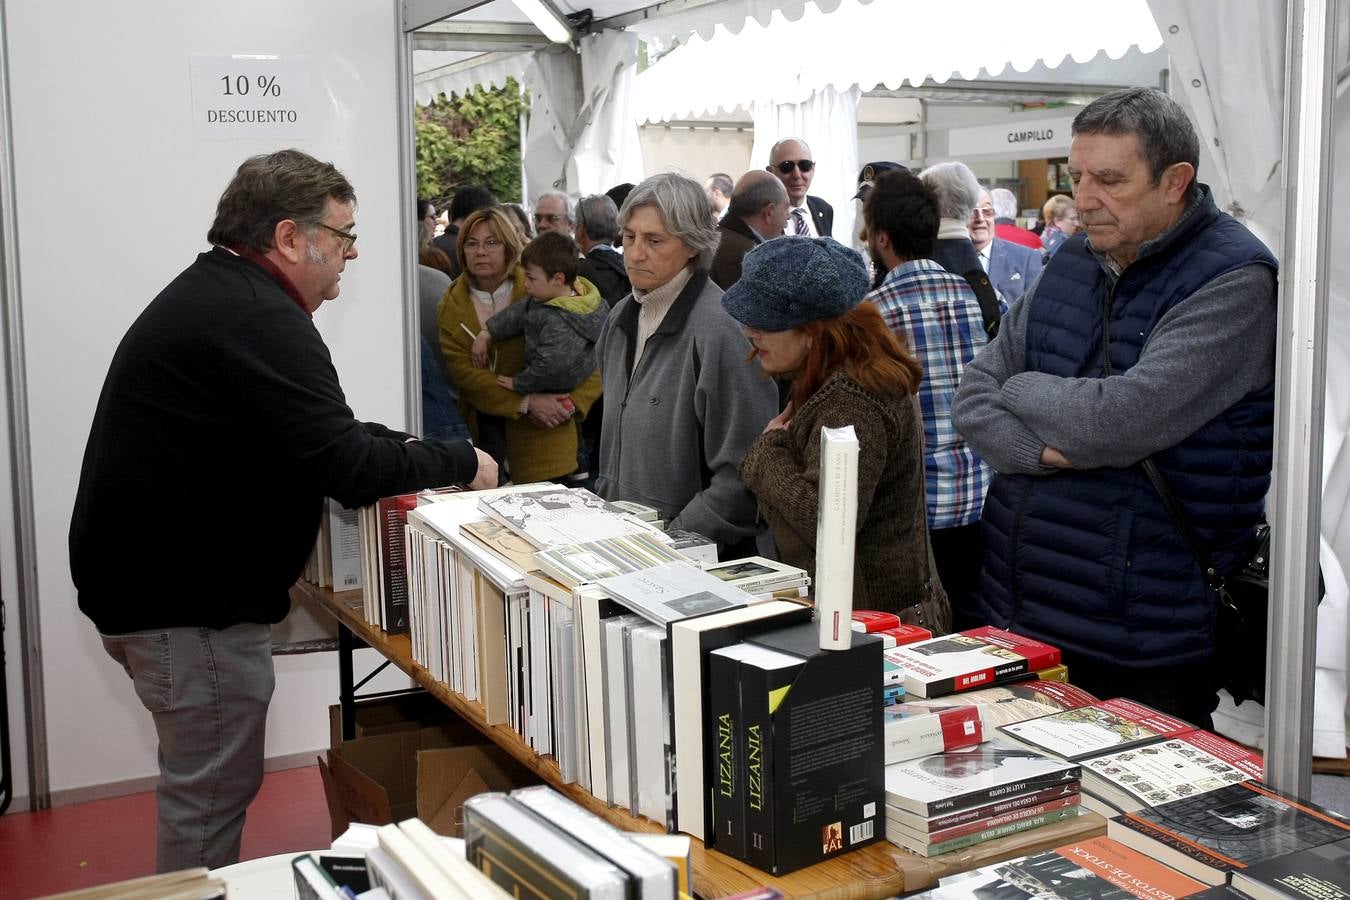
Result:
[[798, 301]]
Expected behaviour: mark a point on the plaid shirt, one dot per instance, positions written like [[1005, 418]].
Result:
[[938, 314]]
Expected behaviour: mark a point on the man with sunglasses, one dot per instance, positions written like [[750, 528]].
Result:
[[790, 159], [220, 429]]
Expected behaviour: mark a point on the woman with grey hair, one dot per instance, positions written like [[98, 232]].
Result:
[[686, 401], [957, 191]]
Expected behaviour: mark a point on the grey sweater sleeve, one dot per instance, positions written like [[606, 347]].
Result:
[[1204, 355], [980, 412]]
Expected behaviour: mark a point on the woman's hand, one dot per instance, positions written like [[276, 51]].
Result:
[[548, 410], [780, 421]]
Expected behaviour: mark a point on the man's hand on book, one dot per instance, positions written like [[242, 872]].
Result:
[[487, 472]]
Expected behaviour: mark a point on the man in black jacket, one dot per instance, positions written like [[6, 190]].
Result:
[[220, 429], [597, 227]]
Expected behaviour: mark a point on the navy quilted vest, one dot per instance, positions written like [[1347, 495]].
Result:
[[1089, 560]]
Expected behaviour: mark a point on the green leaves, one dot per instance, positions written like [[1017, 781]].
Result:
[[470, 139]]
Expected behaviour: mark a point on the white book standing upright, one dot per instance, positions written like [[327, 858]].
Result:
[[836, 534]]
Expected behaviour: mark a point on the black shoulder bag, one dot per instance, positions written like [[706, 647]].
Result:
[[1244, 603], [988, 299]]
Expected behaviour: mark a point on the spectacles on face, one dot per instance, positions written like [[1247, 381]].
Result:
[[547, 218], [787, 165], [489, 245], [349, 239], [984, 212]]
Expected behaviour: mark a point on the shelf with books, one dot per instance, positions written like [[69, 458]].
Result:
[[877, 870]]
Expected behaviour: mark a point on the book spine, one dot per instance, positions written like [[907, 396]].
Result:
[[836, 533], [993, 821], [1001, 831], [968, 681], [1013, 804], [724, 772], [393, 514], [1001, 792], [756, 685], [947, 729]]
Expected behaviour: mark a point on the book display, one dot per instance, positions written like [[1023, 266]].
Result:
[[979, 657]]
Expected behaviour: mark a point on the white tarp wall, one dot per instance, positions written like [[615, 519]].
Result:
[[1229, 61], [114, 197]]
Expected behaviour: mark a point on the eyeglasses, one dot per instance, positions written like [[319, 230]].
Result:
[[489, 245], [788, 165], [345, 235], [547, 218], [984, 212]]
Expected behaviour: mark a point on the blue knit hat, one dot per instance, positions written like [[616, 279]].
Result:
[[789, 281]]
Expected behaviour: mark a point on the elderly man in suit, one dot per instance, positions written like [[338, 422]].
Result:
[[790, 160], [757, 212], [1011, 267]]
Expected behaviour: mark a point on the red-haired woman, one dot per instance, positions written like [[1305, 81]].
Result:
[[798, 301]]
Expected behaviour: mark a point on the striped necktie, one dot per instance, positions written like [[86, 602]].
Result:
[[799, 223]]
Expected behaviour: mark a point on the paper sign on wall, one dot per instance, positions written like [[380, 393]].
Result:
[[250, 96]]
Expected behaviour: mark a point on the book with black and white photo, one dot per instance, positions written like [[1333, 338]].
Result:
[[976, 658], [575, 565], [759, 575], [674, 591], [973, 776], [1314, 873], [1182, 766], [1213, 834], [553, 517]]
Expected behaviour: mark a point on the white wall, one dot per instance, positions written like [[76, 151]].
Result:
[[696, 152], [114, 196]]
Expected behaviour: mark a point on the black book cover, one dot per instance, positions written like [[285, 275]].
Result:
[[761, 691], [826, 778], [1317, 873], [726, 778]]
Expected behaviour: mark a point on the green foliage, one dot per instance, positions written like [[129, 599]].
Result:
[[470, 139]]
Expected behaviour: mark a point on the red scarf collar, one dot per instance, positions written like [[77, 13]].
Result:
[[275, 271]]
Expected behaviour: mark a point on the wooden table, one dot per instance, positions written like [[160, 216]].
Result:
[[878, 870]]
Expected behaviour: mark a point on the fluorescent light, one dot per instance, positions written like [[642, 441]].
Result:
[[546, 20]]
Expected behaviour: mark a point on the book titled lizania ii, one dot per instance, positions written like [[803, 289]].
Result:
[[970, 659]]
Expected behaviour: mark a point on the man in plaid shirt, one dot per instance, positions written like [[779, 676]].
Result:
[[938, 315]]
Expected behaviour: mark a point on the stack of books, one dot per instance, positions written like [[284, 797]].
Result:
[[977, 658], [958, 798], [1134, 756]]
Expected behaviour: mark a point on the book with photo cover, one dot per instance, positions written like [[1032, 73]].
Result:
[[1182, 766], [1216, 833], [673, 591], [1094, 869], [556, 516], [575, 565], [973, 776], [1086, 731], [979, 657], [1317, 873]]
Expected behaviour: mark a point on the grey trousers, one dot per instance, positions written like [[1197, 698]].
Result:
[[208, 692]]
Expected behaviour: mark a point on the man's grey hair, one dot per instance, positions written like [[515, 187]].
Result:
[[683, 207], [272, 187], [955, 187], [562, 198], [1166, 135], [748, 201], [1005, 203], [600, 217], [721, 182]]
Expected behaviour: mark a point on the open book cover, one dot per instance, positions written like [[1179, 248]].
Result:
[[1077, 734]]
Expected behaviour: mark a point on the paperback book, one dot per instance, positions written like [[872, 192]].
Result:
[[673, 591], [939, 842], [1077, 734], [558, 516], [1317, 873], [977, 658], [973, 776], [575, 565]]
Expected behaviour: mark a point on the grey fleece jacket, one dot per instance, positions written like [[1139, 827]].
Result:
[[676, 429], [1205, 354]]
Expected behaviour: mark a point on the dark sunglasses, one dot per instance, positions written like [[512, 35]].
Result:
[[788, 165]]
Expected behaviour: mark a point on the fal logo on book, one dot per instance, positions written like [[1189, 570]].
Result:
[[832, 837]]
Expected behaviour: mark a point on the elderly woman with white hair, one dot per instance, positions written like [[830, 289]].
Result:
[[957, 191], [685, 399]]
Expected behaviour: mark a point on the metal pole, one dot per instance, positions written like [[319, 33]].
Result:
[[407, 182], [1300, 397]]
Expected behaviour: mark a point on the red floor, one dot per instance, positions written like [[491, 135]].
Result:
[[88, 844]]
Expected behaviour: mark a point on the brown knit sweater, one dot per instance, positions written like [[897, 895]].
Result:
[[892, 562]]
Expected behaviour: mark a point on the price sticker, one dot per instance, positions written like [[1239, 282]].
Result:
[[246, 96]]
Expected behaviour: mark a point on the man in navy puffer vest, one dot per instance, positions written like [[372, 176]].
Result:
[[1150, 333]]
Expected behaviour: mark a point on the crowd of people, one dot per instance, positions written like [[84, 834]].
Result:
[[681, 344]]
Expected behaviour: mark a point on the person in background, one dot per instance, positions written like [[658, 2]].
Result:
[[1061, 223], [790, 160], [1065, 405], [431, 257], [537, 446], [1011, 267], [223, 384], [1005, 220], [692, 402], [560, 320], [957, 191], [798, 301], [468, 199], [937, 314], [552, 212], [597, 225], [719, 189], [758, 212], [522, 221], [426, 221]]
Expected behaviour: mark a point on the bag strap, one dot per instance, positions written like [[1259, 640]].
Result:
[[987, 297], [1178, 516]]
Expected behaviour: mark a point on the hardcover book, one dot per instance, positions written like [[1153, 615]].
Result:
[[973, 776], [557, 516], [1317, 873], [578, 564], [822, 754], [977, 658], [1094, 869], [762, 679], [1213, 834]]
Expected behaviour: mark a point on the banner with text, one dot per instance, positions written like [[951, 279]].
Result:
[[1031, 139], [246, 96]]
